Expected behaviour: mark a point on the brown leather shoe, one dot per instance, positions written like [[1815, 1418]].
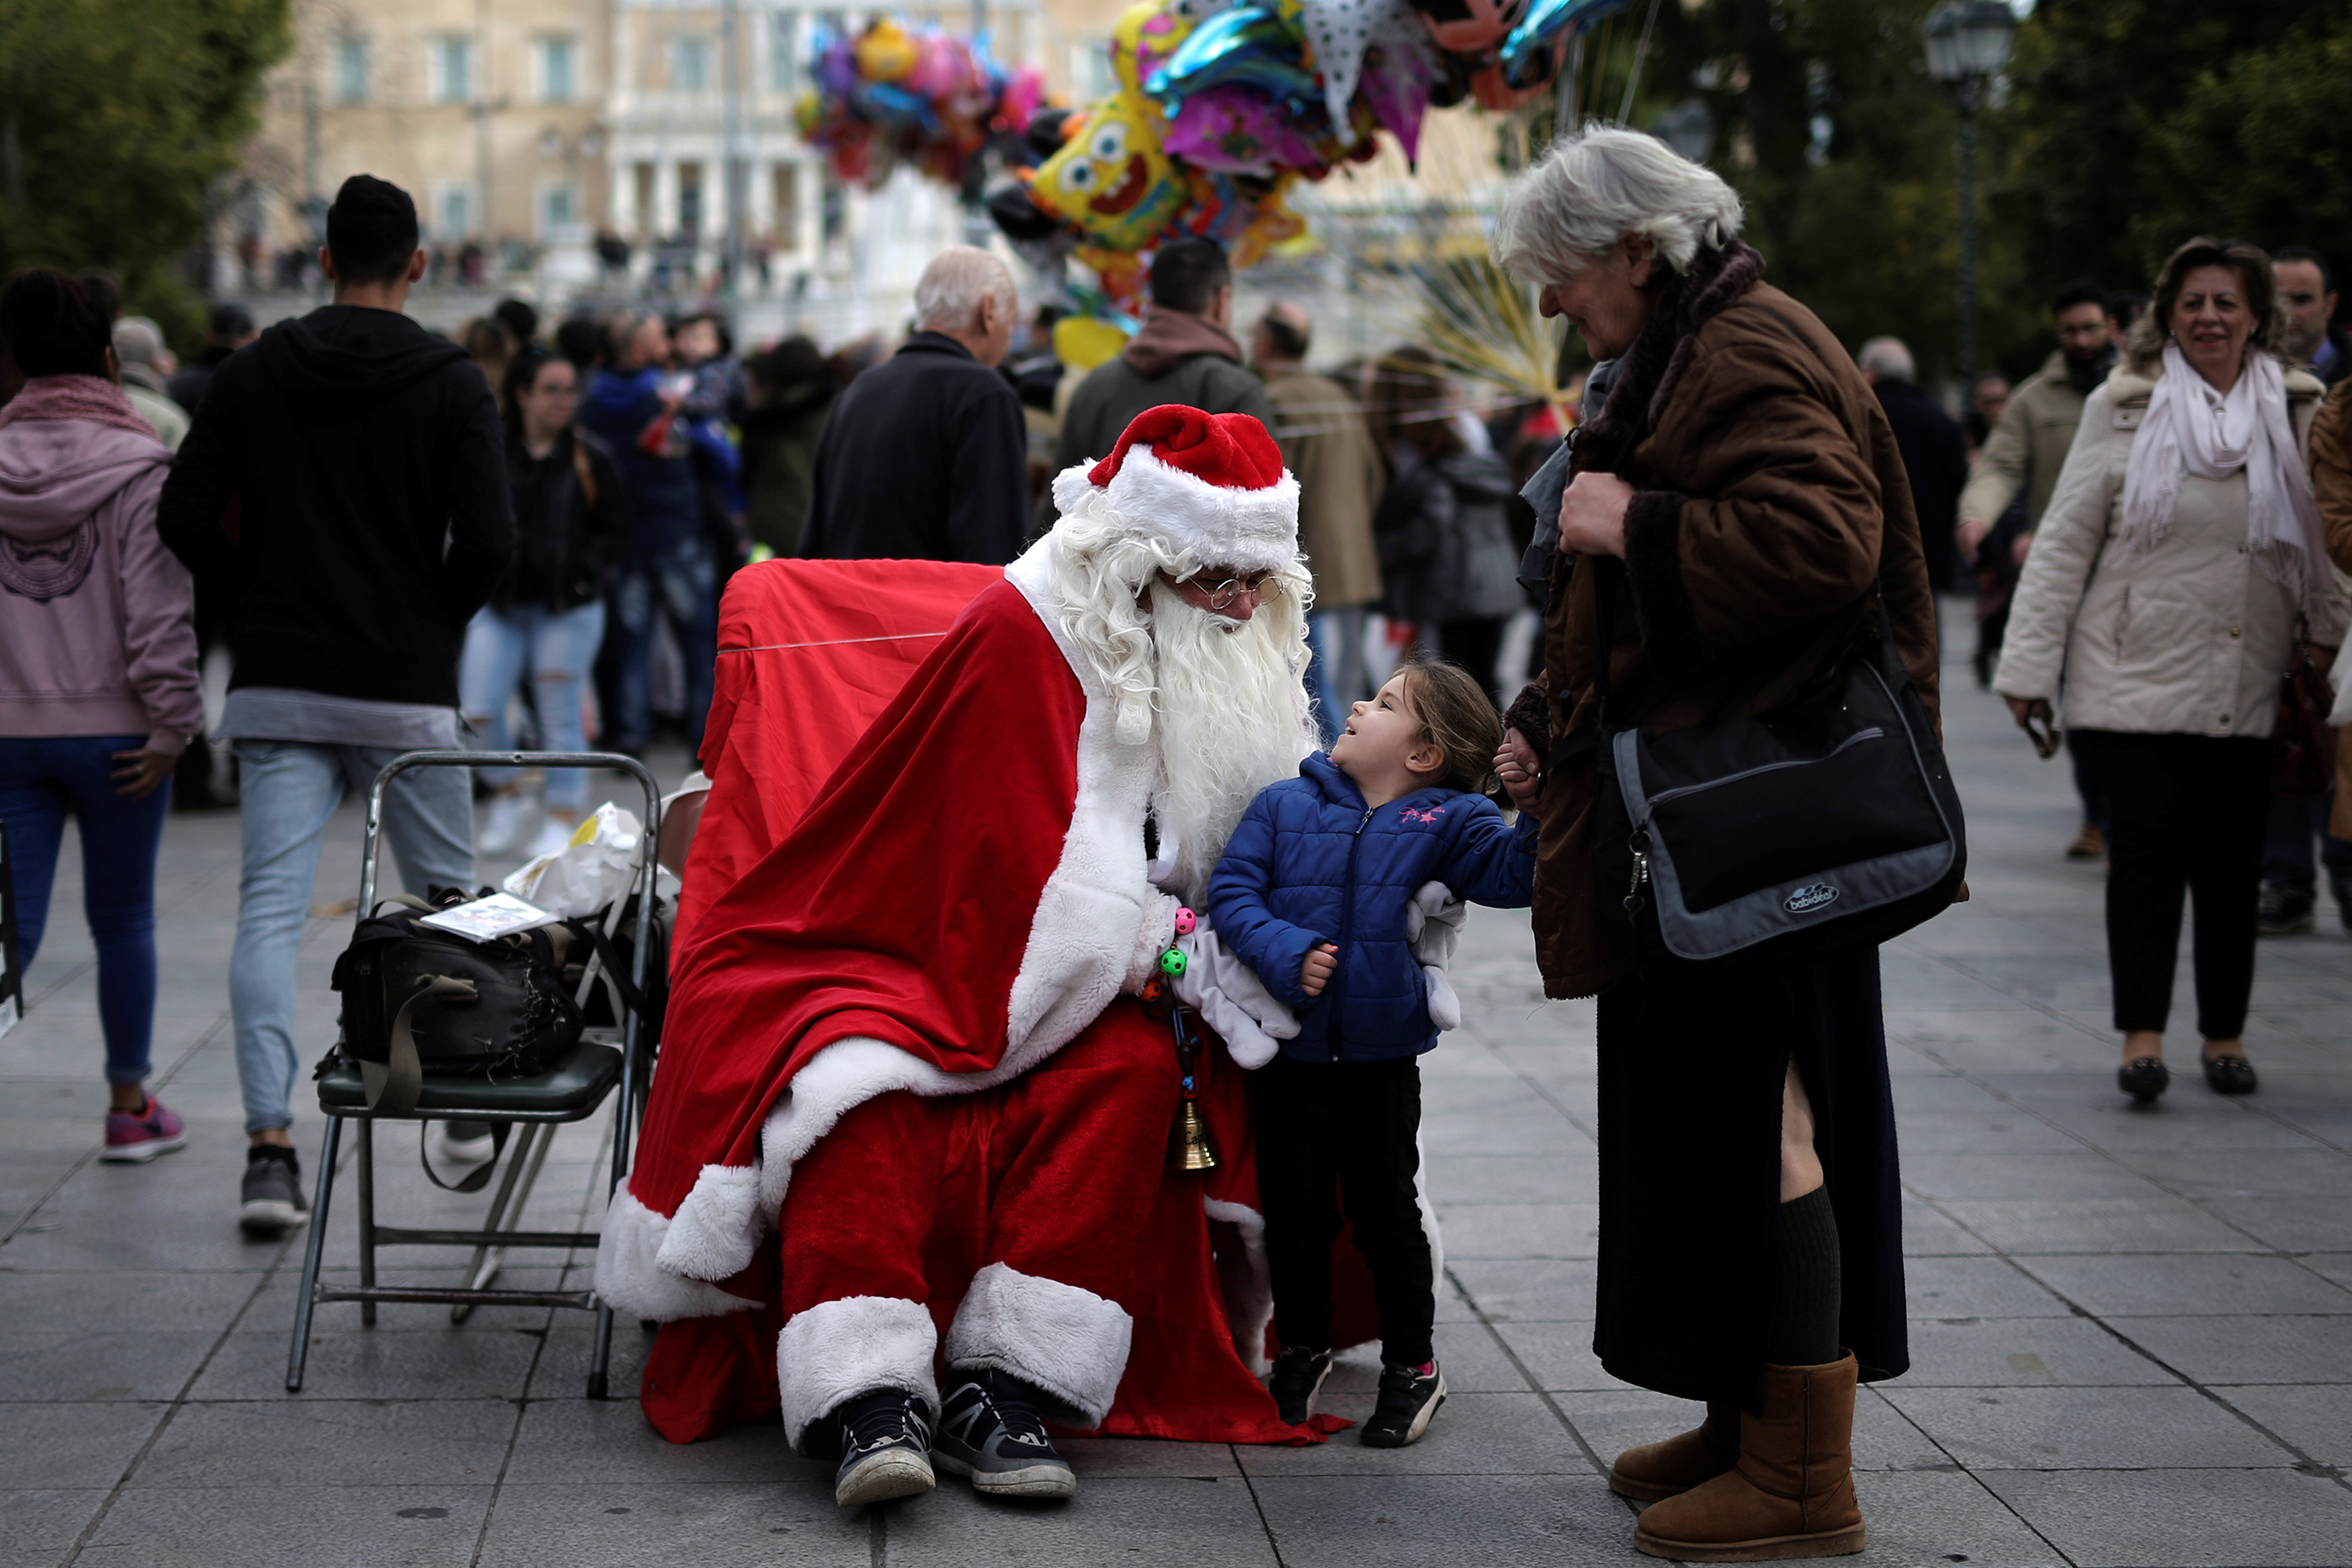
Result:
[[1655, 1471], [1791, 1492], [2090, 844]]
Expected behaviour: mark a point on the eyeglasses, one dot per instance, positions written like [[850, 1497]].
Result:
[[1264, 586]]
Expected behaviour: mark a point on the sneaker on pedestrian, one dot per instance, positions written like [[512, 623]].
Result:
[[460, 1145], [2283, 911], [1410, 1395], [554, 835], [1298, 1374], [2090, 844], [991, 1434], [273, 1200], [502, 823], [135, 1137], [886, 1440]]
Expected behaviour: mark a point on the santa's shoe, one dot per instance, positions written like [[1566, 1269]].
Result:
[[991, 1434], [1791, 1492], [1655, 1471], [886, 1441]]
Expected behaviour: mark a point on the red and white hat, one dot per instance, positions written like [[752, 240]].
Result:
[[1208, 485]]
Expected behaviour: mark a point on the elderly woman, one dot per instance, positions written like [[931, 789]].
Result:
[[1739, 496], [2179, 554]]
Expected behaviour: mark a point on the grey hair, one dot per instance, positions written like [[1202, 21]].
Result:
[[1888, 359], [138, 341], [1597, 186], [947, 296]]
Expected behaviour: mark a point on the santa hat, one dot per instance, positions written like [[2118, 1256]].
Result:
[[1208, 485]]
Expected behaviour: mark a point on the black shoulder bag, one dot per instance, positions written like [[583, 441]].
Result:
[[1786, 838], [419, 1002]]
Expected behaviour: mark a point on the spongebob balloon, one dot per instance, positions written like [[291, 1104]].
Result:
[[1111, 179]]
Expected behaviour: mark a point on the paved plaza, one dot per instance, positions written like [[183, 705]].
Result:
[[2131, 1337]]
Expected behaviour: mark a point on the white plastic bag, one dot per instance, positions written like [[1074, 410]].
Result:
[[590, 872]]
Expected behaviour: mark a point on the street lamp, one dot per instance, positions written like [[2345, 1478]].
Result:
[[1967, 44]]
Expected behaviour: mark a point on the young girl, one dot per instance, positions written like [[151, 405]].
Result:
[[1313, 892]]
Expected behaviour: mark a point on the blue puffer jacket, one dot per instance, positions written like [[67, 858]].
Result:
[[1311, 863], [664, 494]]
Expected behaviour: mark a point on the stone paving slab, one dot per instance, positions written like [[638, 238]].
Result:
[[2131, 1335]]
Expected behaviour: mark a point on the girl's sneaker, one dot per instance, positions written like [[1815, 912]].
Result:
[[135, 1137], [1410, 1395], [1298, 1374]]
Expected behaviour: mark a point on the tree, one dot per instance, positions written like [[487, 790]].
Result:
[[2115, 101], [115, 117], [2259, 149]]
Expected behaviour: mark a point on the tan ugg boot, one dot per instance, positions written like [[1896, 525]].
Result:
[[1791, 1492], [1655, 1471]]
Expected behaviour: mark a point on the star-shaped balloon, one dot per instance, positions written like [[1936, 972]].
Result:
[[1338, 31]]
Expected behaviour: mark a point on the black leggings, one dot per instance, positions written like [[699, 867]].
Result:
[[2185, 813], [1351, 1129]]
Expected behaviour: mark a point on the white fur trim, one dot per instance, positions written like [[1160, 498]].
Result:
[[716, 1228], [1248, 1289], [631, 1281], [1068, 1342], [1256, 530], [838, 1350], [1082, 940]]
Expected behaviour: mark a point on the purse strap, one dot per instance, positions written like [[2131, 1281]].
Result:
[[392, 1086]]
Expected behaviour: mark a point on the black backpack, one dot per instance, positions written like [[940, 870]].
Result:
[[419, 1001]]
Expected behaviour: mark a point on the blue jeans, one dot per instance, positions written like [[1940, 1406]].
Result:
[[556, 648], [289, 790], [2286, 845], [43, 778], [682, 583]]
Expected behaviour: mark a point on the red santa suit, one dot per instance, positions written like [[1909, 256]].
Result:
[[907, 1108]]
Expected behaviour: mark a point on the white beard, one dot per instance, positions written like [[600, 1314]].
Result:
[[1233, 718]]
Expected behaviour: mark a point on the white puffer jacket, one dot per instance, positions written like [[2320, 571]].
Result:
[[2190, 638]]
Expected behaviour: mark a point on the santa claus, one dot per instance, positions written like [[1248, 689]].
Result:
[[910, 1127]]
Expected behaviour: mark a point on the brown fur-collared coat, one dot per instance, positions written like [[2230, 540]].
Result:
[[1768, 493]]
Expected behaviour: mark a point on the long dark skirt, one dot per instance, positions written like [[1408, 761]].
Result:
[[1691, 1074]]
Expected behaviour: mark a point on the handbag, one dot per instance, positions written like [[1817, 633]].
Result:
[[2303, 743], [1787, 838], [420, 1002]]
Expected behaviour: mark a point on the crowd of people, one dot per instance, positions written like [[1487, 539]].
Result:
[[894, 1158]]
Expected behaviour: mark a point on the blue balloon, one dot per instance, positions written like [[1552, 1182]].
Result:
[[1545, 21], [1247, 45]]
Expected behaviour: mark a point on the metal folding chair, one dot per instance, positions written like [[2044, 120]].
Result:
[[572, 1090]]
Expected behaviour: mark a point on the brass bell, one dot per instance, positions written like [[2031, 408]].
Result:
[[1189, 1148]]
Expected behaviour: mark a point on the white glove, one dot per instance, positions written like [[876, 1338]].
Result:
[[1232, 999], [1432, 927]]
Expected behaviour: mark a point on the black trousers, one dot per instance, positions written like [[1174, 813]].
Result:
[[2185, 814], [1334, 1131]]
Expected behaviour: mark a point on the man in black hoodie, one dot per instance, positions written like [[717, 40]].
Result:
[[349, 469]]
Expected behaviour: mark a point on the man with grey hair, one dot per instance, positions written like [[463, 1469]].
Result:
[[927, 455], [146, 365], [1935, 451]]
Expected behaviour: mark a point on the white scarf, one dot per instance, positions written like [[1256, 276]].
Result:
[[2192, 429]]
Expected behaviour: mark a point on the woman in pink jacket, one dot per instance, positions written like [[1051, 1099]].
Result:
[[97, 664]]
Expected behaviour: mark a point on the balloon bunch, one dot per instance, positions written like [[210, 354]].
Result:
[[894, 95], [1222, 107]]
